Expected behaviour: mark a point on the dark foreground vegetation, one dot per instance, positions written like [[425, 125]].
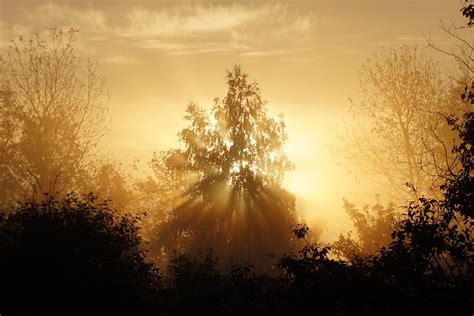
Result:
[[79, 256]]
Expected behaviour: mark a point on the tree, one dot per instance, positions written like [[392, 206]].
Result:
[[111, 180], [400, 121], [230, 169], [431, 248], [432, 242], [459, 186], [462, 53], [51, 116], [75, 255], [457, 172], [372, 230]]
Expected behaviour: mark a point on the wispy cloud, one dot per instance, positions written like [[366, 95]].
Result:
[[187, 20], [231, 28], [177, 29], [49, 14]]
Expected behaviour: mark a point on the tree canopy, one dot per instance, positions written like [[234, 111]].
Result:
[[230, 169], [399, 133], [52, 106]]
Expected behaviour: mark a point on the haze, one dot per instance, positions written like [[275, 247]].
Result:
[[159, 55]]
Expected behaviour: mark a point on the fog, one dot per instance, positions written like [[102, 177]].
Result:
[[283, 134]]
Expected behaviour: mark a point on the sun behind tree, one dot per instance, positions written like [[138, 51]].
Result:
[[228, 179]]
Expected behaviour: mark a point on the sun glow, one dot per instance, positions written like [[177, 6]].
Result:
[[300, 183]]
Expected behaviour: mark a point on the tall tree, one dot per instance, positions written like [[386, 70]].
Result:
[[231, 169], [400, 122], [52, 116]]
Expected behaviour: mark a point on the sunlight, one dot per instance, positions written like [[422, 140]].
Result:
[[236, 157], [301, 151], [300, 183], [272, 155], [235, 168]]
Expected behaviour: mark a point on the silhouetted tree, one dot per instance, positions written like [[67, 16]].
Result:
[[372, 230], [431, 254], [113, 181], [228, 179], [51, 116], [73, 256], [459, 186], [339, 287], [457, 172], [431, 242]]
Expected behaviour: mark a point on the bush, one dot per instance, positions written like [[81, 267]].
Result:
[[73, 256]]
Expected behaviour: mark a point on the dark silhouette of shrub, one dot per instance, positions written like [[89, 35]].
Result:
[[200, 283], [459, 187], [73, 257]]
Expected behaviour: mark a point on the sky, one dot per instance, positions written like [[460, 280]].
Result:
[[157, 56]]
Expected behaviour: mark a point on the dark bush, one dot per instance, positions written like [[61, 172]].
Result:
[[73, 257]]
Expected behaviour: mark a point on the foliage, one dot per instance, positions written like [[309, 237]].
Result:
[[200, 283], [158, 193], [459, 187], [228, 179], [372, 230], [112, 180], [430, 244], [468, 12], [73, 255], [51, 116], [58, 254], [399, 130], [373, 285]]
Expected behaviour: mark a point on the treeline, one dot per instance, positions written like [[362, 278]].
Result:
[[80, 256]]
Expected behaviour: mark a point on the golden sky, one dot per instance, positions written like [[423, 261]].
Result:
[[159, 55]]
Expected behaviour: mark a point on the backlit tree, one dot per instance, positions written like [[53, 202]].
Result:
[[51, 116], [230, 168]]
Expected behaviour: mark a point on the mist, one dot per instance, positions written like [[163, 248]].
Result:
[[185, 154]]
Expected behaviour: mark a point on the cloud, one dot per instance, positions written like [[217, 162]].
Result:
[[49, 14], [186, 20], [236, 28], [182, 28]]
